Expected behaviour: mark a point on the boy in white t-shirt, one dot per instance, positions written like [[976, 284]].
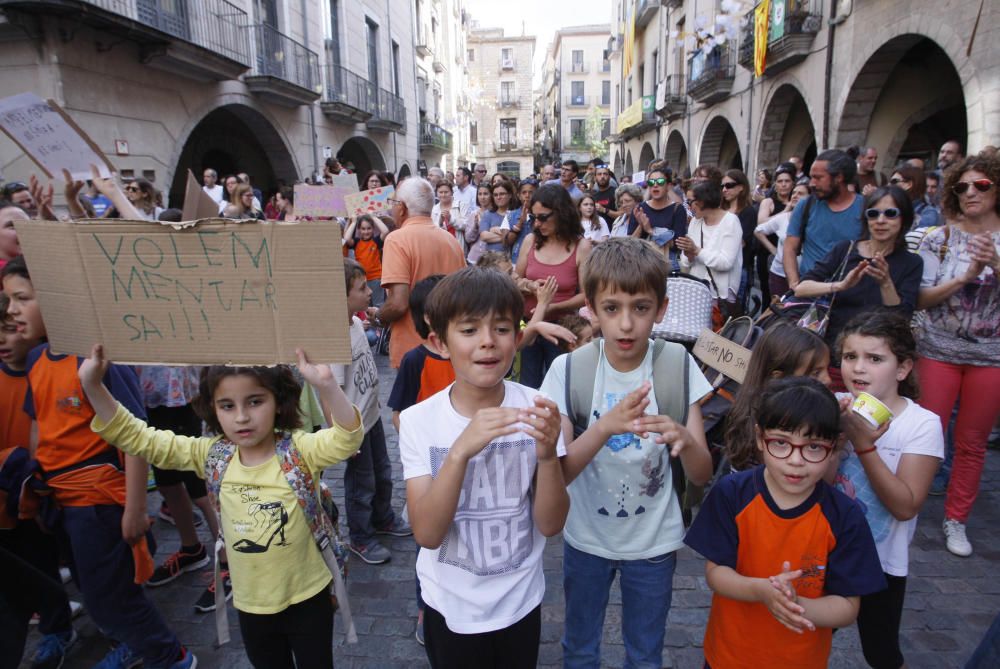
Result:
[[625, 514], [484, 483], [368, 478]]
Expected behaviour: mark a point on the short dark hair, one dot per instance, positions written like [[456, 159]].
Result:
[[287, 193], [470, 293], [352, 270], [839, 163], [4, 303], [279, 380], [573, 165], [796, 403], [418, 302], [902, 202], [556, 198], [171, 215], [708, 192], [15, 267], [629, 264], [464, 170], [710, 172]]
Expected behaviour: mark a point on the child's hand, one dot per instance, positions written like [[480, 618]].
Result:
[[672, 434], [318, 376], [93, 369], [859, 431], [779, 596], [623, 416], [554, 333], [486, 425], [135, 524], [543, 423]]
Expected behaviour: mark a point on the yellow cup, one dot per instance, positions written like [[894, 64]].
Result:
[[871, 409]]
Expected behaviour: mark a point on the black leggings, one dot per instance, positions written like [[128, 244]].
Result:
[[878, 625], [303, 631], [509, 648]]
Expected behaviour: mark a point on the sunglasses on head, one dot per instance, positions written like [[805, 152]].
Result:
[[981, 185], [731, 184], [658, 181], [897, 180], [541, 218], [889, 212], [132, 189]]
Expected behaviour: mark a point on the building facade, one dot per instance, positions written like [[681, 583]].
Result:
[[902, 77], [577, 93], [268, 87], [500, 86]]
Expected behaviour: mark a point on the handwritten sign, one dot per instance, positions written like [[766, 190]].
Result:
[[50, 137], [722, 355], [215, 292], [321, 201], [369, 201], [345, 180], [639, 178]]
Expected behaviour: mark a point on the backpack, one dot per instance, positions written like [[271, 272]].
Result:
[[321, 514], [671, 397]]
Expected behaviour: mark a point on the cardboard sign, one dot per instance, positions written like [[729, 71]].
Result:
[[321, 201], [722, 355], [639, 178], [211, 292], [197, 203], [369, 201], [49, 137], [345, 180]]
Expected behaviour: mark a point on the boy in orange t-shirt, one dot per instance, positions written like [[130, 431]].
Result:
[[365, 236]]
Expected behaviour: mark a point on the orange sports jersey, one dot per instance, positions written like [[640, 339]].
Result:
[[15, 425], [422, 373], [369, 256], [740, 526], [82, 468]]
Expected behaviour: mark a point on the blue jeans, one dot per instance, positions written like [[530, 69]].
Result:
[[647, 587], [368, 487], [535, 361]]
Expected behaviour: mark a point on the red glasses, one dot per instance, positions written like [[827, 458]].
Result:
[[981, 185]]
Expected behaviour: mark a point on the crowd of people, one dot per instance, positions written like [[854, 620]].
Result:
[[530, 398]]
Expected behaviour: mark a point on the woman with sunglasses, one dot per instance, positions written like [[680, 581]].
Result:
[[736, 200], [876, 272], [142, 195], [959, 339]]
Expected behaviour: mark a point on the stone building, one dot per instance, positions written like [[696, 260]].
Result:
[[902, 77], [262, 86], [500, 69]]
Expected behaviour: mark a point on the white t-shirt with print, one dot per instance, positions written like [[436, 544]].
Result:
[[360, 378], [487, 573], [914, 431], [623, 505]]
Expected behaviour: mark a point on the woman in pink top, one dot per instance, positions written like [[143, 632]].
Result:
[[556, 247]]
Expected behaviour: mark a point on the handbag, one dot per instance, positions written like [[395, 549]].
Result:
[[689, 309], [817, 314]]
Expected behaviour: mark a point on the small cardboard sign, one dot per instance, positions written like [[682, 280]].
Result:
[[639, 178], [210, 292], [722, 355], [345, 180], [368, 201], [321, 201], [51, 138], [197, 203]]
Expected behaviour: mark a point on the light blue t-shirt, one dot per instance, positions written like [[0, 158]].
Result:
[[825, 228], [488, 221], [574, 190], [622, 505]]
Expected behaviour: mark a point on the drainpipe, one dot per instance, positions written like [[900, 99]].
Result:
[[312, 106], [829, 74], [395, 73], [746, 161]]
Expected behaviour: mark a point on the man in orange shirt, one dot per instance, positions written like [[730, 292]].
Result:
[[415, 250]]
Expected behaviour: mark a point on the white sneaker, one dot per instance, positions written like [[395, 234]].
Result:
[[955, 539], [65, 575]]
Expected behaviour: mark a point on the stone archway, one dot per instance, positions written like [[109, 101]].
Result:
[[404, 171], [617, 164], [676, 153], [646, 156], [916, 124], [234, 138], [787, 129], [363, 154], [629, 165], [719, 146]]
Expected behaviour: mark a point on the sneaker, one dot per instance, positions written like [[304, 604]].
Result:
[[165, 515], [187, 661], [206, 602], [373, 552], [397, 528], [419, 634], [177, 564], [119, 657], [955, 539], [75, 609], [51, 651], [65, 575]]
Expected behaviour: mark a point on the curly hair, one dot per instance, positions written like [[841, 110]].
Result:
[[987, 164], [897, 333], [569, 229], [279, 381]]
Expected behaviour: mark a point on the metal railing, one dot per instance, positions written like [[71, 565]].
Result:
[[716, 64], [676, 86], [508, 101], [278, 55], [389, 107], [435, 136], [578, 100], [578, 68], [801, 17], [348, 88]]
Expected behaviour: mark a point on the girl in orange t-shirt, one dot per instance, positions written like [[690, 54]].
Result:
[[365, 236]]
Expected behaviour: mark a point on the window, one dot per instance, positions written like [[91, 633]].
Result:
[[656, 71], [605, 63], [372, 52], [333, 43], [507, 93], [470, 55], [474, 132], [577, 60], [507, 58], [578, 132], [642, 79], [605, 128], [508, 133], [395, 69], [510, 168], [605, 93], [576, 93]]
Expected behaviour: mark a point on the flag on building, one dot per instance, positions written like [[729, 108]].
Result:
[[628, 48], [762, 14]]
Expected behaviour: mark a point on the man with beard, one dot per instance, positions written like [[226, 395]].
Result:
[[604, 194]]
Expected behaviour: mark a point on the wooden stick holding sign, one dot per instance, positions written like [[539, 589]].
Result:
[[50, 137], [722, 355], [371, 201]]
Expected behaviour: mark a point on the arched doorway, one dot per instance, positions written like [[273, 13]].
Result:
[[629, 165], [234, 138], [404, 172], [363, 154], [676, 153], [787, 130], [617, 165], [719, 146], [893, 105], [646, 156]]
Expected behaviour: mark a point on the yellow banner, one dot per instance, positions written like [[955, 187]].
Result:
[[629, 46], [762, 15], [630, 117]]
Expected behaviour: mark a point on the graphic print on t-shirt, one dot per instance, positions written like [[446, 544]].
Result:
[[264, 521], [853, 481], [493, 530], [621, 441]]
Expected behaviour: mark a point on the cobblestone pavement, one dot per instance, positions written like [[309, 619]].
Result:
[[950, 601]]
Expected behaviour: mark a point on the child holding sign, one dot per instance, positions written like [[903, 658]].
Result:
[[365, 236]]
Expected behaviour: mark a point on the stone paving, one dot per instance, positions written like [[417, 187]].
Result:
[[950, 601]]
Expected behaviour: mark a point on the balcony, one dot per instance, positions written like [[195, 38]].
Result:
[[508, 101], [578, 68], [710, 76], [204, 41], [578, 101], [438, 64], [389, 113], [645, 11], [283, 71], [434, 138], [510, 147], [507, 64], [615, 43], [745, 54], [788, 41], [349, 97], [423, 45], [671, 98]]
